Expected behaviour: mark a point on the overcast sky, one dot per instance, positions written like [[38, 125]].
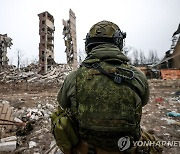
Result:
[[149, 24]]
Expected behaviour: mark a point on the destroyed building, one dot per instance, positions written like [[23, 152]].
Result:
[[172, 57], [69, 33], [5, 42], [46, 45], [170, 64]]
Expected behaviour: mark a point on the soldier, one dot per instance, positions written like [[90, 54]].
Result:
[[101, 102]]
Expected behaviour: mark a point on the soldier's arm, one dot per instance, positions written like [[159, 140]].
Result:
[[145, 97], [143, 86], [67, 91]]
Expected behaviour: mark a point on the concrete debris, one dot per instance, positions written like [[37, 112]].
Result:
[[32, 144], [57, 73], [8, 146], [53, 149], [35, 105], [8, 139], [38, 118], [169, 121], [8, 143], [167, 134]]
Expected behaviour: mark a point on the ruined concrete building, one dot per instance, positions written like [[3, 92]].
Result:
[[170, 64], [69, 33], [172, 57], [46, 45], [5, 42]]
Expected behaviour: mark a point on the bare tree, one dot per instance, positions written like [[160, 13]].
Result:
[[142, 58], [127, 51], [34, 60], [24, 62], [11, 61], [153, 57], [19, 58], [136, 57]]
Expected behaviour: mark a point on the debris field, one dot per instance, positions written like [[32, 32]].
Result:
[[27, 100]]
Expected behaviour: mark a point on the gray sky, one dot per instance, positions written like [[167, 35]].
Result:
[[149, 24]]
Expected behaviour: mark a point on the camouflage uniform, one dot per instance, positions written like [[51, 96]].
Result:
[[102, 110], [67, 93], [110, 53]]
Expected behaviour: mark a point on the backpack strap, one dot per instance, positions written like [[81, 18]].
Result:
[[116, 77]]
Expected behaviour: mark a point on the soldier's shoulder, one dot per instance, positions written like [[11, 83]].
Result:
[[71, 75], [70, 78]]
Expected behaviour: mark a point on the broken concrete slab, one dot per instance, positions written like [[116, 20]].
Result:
[[8, 139], [8, 146], [32, 144]]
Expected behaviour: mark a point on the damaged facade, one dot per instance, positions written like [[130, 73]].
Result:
[[46, 45], [69, 33], [5, 42], [172, 57], [170, 64]]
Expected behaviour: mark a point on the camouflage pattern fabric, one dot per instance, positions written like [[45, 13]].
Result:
[[83, 147], [75, 91], [106, 110]]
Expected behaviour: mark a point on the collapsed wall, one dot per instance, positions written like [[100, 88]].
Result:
[[69, 33], [5, 42]]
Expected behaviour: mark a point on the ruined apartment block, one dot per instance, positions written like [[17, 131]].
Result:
[[69, 33], [46, 45], [5, 42]]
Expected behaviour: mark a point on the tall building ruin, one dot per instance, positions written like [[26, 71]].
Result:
[[46, 45], [69, 32], [5, 42]]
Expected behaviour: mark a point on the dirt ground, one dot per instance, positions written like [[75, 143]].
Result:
[[164, 98]]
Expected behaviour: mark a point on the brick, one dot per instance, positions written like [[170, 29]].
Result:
[[170, 74]]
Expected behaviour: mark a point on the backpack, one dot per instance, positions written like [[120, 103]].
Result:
[[109, 105], [62, 127]]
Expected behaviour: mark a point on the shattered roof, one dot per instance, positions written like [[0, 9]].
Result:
[[177, 31]]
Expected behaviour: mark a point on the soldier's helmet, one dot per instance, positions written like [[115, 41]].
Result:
[[104, 32]]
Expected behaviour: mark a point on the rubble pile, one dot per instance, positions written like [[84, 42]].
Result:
[[32, 109], [30, 74], [33, 137]]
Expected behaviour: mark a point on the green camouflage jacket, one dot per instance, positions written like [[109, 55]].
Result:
[[67, 94]]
